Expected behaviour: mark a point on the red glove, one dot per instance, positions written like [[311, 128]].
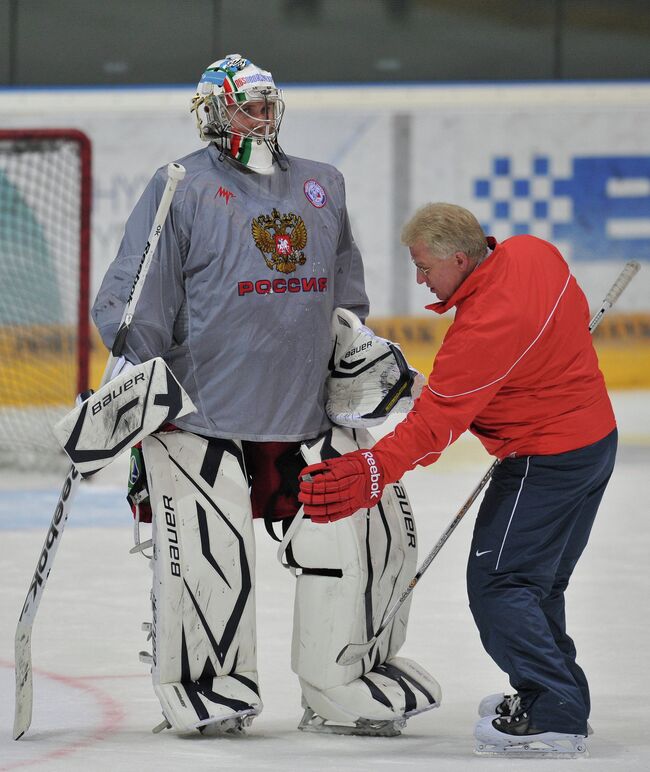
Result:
[[341, 486]]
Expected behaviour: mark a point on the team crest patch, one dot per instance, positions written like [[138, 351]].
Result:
[[315, 193], [282, 237]]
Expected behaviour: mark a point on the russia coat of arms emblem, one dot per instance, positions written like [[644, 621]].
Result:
[[281, 239]]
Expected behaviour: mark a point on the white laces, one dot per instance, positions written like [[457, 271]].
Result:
[[513, 702]]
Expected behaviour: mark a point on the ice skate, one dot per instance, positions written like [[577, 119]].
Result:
[[377, 704], [233, 725], [513, 736], [236, 724], [311, 722], [222, 705], [500, 704]]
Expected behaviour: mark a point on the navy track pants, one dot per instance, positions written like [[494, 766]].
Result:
[[532, 527]]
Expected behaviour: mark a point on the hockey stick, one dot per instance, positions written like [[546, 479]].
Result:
[[23, 638], [354, 652]]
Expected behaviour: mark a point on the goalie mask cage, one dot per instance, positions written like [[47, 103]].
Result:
[[45, 194]]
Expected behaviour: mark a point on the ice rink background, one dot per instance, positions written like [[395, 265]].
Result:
[[95, 707]]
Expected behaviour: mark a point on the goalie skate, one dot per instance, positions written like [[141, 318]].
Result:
[[378, 703], [228, 703], [213, 727], [493, 739], [311, 722], [235, 725]]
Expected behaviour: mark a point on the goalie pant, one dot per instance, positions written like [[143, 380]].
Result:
[[203, 598]]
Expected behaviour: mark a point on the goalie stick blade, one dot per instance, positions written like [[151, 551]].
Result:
[[354, 652], [24, 689]]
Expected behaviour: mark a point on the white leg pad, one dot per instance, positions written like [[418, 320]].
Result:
[[399, 688], [348, 574], [204, 638]]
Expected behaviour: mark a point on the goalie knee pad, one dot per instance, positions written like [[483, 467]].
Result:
[[349, 573], [203, 630]]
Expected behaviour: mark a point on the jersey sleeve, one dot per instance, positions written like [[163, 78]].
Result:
[[349, 285], [151, 331]]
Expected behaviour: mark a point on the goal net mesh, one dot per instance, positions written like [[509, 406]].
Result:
[[44, 264]]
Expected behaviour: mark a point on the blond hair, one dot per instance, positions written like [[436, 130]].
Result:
[[445, 229]]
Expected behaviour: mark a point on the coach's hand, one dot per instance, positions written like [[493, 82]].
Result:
[[339, 487]]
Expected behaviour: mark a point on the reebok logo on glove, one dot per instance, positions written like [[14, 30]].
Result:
[[375, 476], [341, 486]]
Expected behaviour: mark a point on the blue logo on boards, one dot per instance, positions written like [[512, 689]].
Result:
[[602, 210]]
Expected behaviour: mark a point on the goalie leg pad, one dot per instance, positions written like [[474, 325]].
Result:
[[393, 691], [348, 574], [204, 659]]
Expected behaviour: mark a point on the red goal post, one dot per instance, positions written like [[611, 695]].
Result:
[[45, 210]]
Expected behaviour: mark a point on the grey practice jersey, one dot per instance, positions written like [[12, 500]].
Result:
[[240, 293]]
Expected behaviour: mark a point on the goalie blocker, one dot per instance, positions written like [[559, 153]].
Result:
[[123, 412]]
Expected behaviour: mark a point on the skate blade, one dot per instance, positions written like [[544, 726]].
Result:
[[538, 750], [233, 725], [362, 728], [393, 730]]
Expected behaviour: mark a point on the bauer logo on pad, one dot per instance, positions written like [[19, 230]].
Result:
[[120, 414]]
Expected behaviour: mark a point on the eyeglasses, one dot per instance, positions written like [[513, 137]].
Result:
[[423, 271]]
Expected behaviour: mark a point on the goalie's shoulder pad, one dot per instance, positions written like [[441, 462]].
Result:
[[369, 376]]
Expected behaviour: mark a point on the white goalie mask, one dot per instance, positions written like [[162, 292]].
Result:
[[238, 106], [369, 376]]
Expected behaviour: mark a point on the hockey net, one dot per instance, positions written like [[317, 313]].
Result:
[[44, 263]]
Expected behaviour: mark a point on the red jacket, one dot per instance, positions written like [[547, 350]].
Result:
[[517, 367]]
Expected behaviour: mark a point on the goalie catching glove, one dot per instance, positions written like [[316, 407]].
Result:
[[369, 376], [341, 486]]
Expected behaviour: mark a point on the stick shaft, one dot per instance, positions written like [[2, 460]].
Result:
[[175, 173], [629, 271], [438, 546]]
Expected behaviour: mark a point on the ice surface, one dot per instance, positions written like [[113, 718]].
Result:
[[94, 705]]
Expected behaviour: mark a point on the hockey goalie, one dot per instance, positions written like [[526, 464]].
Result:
[[254, 301]]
